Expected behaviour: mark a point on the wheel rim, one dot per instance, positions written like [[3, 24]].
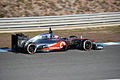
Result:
[[87, 45], [31, 49]]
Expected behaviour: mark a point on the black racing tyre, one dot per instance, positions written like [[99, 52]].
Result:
[[86, 45], [31, 48], [72, 36]]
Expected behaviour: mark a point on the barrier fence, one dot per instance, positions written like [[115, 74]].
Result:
[[55, 21]]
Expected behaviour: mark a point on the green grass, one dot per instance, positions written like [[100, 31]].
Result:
[[4, 34], [113, 28]]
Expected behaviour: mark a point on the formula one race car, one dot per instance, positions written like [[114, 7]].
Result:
[[48, 42]]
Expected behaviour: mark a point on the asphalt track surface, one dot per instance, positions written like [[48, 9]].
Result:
[[68, 65]]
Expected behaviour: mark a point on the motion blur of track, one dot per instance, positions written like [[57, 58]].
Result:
[[68, 65]]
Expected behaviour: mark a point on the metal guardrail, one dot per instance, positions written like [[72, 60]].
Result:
[[45, 21]]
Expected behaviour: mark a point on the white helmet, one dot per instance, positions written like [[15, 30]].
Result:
[[56, 36]]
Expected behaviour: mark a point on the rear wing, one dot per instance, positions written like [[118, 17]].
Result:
[[18, 41]]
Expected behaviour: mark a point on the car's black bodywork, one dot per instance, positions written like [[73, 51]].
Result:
[[48, 42]]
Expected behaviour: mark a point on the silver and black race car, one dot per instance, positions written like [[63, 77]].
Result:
[[48, 42]]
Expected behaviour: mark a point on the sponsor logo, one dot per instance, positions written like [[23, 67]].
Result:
[[54, 48], [62, 44]]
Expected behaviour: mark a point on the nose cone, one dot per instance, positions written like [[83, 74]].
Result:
[[99, 47]]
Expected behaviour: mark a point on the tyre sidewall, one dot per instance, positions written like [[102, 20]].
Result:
[[83, 45], [27, 48]]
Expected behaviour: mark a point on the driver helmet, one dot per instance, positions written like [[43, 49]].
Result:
[[56, 37]]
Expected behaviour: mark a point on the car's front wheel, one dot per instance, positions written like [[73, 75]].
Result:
[[31, 48], [86, 44]]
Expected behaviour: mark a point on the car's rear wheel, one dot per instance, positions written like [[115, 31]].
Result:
[[86, 44], [31, 48]]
